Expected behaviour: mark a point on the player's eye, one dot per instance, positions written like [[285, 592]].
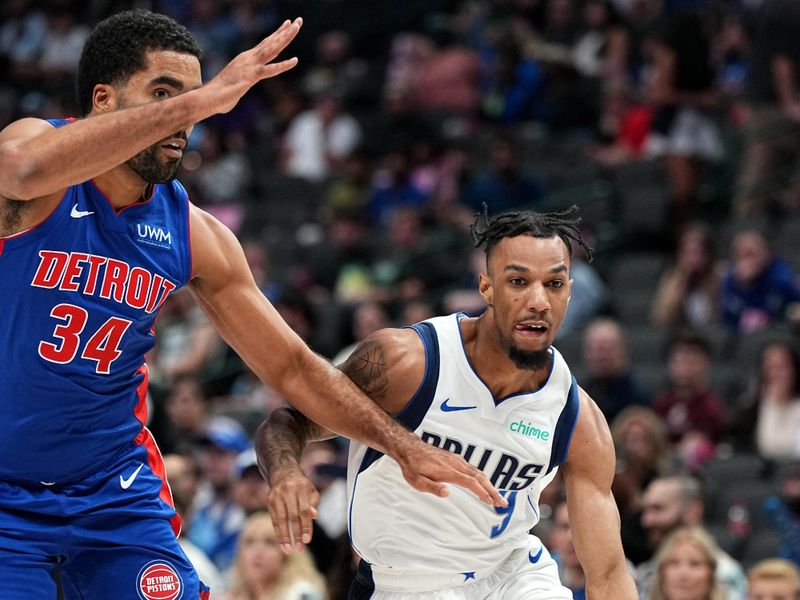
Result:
[[557, 283], [161, 94], [517, 281]]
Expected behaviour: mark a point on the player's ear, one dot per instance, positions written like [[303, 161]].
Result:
[[569, 290], [104, 98], [485, 288]]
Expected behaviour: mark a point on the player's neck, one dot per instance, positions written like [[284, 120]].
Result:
[[491, 362], [122, 187]]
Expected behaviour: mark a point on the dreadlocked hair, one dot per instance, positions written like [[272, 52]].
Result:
[[488, 232]]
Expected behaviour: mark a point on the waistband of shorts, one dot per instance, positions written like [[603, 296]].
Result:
[[395, 580]]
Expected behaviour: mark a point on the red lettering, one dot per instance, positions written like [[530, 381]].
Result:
[[94, 271], [138, 287], [73, 270], [50, 270], [155, 289], [114, 278], [168, 287]]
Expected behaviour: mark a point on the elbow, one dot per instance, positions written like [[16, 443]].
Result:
[[18, 174]]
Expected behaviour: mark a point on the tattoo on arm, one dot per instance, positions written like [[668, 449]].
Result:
[[282, 439], [366, 367]]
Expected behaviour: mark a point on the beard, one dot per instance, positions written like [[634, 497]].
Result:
[[532, 360], [149, 168]]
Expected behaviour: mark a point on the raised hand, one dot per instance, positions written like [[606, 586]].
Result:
[[251, 66]]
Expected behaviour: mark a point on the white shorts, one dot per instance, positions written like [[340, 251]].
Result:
[[527, 573]]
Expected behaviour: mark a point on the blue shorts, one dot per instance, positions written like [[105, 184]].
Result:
[[111, 535]]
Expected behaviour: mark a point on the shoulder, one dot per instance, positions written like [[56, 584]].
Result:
[[215, 250], [388, 366], [591, 448], [24, 128]]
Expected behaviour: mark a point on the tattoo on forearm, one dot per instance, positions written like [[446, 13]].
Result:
[[366, 367], [281, 440]]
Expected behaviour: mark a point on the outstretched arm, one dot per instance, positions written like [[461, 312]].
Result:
[[224, 287], [37, 160], [588, 473]]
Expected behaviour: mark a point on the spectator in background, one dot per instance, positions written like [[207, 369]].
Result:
[[393, 188], [778, 429], [684, 131], [187, 409], [570, 571], [771, 410], [351, 190], [773, 579], [759, 288], [335, 65], [772, 129], [590, 295], [318, 140], [263, 572], [511, 85], [783, 512], [609, 378], [693, 413], [218, 518], [367, 317], [184, 474], [668, 504], [506, 186], [688, 292], [643, 454], [685, 568], [250, 489], [186, 343]]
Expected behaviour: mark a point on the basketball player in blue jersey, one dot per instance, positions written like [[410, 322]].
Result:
[[494, 390], [95, 233]]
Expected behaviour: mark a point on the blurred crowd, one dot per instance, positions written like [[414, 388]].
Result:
[[352, 181]]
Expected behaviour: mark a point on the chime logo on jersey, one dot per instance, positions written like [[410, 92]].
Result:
[[158, 580]]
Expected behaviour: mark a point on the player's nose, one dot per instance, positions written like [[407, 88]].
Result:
[[538, 301]]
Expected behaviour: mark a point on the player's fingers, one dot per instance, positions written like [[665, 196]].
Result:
[[427, 485], [274, 44], [307, 517], [273, 69], [277, 511], [484, 488]]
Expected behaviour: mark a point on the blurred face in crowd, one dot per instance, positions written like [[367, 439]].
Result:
[[688, 367], [771, 589], [218, 466], [693, 256], [604, 349], [638, 446], [750, 256], [777, 366], [182, 477], [260, 557], [186, 406], [561, 537], [528, 288], [251, 491], [687, 573], [662, 510]]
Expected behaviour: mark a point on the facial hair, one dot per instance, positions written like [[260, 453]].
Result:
[[151, 169], [532, 360]]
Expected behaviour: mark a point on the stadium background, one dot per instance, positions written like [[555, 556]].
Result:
[[352, 180]]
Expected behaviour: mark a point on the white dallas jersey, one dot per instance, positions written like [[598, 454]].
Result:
[[517, 441]]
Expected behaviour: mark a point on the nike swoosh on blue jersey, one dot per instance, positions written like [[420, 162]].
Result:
[[535, 559], [448, 408]]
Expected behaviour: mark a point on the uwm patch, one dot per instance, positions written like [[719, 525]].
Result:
[[158, 580], [153, 235]]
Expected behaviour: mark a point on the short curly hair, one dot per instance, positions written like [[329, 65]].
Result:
[[118, 46]]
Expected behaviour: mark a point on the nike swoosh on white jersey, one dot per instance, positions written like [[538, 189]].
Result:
[[77, 214], [126, 483]]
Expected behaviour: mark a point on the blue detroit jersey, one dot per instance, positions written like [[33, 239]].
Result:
[[79, 296]]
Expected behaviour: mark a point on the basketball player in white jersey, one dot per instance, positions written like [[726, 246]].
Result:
[[494, 390]]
